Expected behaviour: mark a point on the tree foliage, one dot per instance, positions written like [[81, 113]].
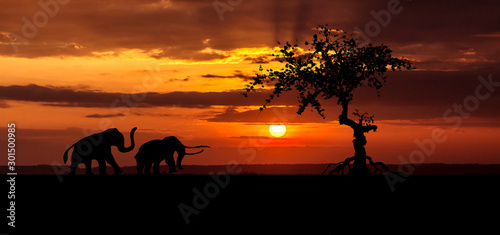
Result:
[[332, 65]]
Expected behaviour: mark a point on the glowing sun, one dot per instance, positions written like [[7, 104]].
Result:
[[277, 130]]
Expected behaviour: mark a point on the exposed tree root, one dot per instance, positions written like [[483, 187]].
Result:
[[341, 166], [380, 167], [331, 164], [376, 165]]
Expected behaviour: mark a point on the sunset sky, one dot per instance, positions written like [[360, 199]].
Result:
[[74, 67]]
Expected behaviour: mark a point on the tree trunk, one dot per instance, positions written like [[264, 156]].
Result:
[[359, 166]]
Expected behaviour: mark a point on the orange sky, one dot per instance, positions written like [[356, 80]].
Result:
[[177, 68]]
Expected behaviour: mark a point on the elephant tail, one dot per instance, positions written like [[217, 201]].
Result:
[[65, 158], [195, 153], [195, 147]]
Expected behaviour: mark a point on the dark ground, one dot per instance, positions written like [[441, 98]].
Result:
[[252, 204], [276, 169]]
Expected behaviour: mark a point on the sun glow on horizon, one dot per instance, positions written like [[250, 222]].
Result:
[[277, 130]]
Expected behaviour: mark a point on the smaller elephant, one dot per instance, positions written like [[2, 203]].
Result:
[[155, 151]]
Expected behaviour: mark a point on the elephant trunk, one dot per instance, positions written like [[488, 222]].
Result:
[[132, 143]]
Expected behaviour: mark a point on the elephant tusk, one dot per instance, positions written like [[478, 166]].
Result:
[[194, 153], [195, 147]]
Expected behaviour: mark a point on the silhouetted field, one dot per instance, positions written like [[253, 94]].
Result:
[[264, 199], [255, 204], [276, 169]]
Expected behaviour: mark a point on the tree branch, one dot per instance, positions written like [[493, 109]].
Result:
[[369, 127]]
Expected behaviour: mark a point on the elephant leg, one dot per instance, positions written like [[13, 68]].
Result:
[[102, 166], [75, 161], [147, 171], [140, 166], [156, 168], [171, 163], [73, 166], [88, 167], [111, 160]]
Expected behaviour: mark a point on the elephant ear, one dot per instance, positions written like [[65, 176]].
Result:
[[167, 139], [166, 143]]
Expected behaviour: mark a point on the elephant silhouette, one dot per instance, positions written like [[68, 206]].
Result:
[[155, 151], [98, 146]]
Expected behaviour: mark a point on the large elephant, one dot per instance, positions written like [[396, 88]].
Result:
[[98, 146], [155, 151]]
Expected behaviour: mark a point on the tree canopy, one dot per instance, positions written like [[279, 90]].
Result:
[[332, 65]]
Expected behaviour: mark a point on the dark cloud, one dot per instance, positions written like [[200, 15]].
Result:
[[152, 114], [258, 60], [244, 76], [236, 74], [66, 97], [208, 75], [407, 95], [105, 115], [270, 115], [80, 28], [60, 95], [179, 80], [178, 29]]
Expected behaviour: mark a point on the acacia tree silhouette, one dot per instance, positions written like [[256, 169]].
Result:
[[333, 66]]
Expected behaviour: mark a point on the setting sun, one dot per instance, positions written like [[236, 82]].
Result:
[[277, 130]]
